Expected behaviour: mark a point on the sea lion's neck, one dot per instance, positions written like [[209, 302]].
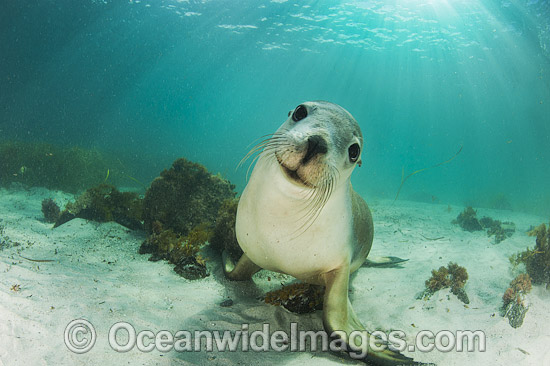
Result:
[[281, 199], [276, 218]]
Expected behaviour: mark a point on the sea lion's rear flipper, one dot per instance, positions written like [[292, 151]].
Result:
[[383, 261], [340, 321], [242, 271]]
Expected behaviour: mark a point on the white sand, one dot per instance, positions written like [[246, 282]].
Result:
[[98, 275]]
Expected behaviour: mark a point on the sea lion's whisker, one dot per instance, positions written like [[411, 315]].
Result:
[[263, 138], [261, 146], [316, 200], [254, 150], [265, 149]]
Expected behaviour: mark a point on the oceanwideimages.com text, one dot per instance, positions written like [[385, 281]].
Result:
[[80, 337]]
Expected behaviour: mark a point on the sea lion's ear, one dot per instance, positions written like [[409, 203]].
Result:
[[359, 163]]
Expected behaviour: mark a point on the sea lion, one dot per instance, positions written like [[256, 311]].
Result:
[[299, 214]]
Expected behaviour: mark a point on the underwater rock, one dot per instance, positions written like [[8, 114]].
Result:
[[537, 260], [298, 298], [454, 276], [226, 303], [514, 307], [224, 237], [191, 268], [184, 196], [467, 220], [105, 203], [515, 313], [50, 210]]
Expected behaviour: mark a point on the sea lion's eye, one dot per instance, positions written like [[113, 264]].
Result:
[[299, 113], [353, 152]]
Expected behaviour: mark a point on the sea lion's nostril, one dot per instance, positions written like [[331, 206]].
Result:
[[315, 145]]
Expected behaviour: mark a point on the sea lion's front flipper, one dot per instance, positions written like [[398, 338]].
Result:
[[242, 271], [339, 317]]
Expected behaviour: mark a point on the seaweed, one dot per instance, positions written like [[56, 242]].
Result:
[[536, 260], [404, 179], [4, 239], [440, 279], [298, 298], [36, 164], [104, 203], [224, 236], [487, 222], [50, 210], [467, 220], [514, 307], [180, 211], [184, 196], [501, 230], [182, 251], [188, 262], [160, 243], [453, 276]]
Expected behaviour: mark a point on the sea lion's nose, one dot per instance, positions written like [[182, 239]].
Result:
[[315, 145]]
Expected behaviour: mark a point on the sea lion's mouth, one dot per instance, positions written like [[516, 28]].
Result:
[[293, 175]]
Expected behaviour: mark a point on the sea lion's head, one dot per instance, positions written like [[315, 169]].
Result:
[[315, 150], [319, 145]]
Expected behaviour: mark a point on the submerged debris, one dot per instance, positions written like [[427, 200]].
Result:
[[454, 276], [15, 288], [298, 298], [514, 307]]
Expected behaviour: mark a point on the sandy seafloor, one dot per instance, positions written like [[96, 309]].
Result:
[[97, 274]]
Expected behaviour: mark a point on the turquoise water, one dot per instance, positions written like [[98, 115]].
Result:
[[151, 81]]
